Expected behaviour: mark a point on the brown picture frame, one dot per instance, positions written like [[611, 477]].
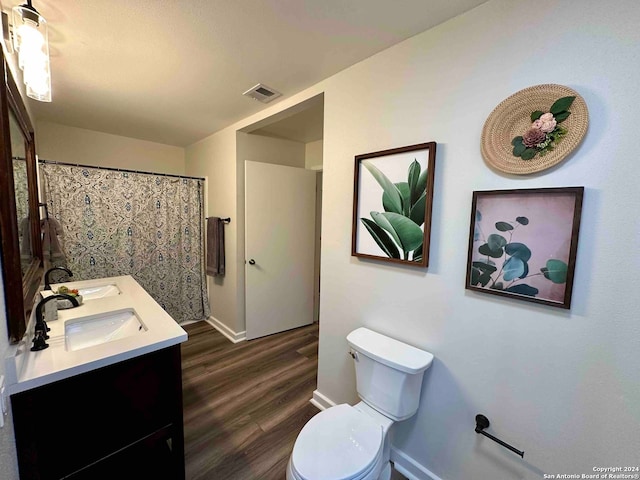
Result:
[[389, 196], [523, 243]]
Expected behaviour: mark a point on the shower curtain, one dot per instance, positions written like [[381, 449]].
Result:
[[124, 223]]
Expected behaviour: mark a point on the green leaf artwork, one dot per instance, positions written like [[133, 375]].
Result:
[[381, 238], [390, 189], [398, 230], [504, 263]]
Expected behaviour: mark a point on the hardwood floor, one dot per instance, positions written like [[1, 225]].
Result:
[[245, 403]]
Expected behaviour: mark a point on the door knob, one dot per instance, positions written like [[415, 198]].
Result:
[[252, 262]]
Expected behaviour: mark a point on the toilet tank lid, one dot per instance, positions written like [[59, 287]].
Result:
[[389, 351]]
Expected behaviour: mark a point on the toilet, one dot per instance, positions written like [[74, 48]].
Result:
[[347, 442]]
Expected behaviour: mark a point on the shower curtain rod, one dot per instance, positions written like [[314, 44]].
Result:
[[54, 162]]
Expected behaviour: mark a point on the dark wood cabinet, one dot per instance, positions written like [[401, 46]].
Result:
[[120, 421]]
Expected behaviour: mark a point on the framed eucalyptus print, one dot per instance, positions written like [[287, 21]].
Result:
[[523, 243], [393, 195]]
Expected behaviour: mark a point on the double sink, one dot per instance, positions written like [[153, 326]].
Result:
[[91, 330], [117, 321]]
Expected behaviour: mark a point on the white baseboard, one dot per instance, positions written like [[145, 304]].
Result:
[[408, 467], [235, 337], [321, 401]]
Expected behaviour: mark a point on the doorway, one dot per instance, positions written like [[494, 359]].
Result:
[[282, 293]]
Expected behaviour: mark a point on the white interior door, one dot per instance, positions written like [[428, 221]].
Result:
[[279, 244]]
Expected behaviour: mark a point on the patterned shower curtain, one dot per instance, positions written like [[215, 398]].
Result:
[[144, 225], [21, 186]]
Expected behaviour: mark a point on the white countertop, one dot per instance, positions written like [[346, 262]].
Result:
[[26, 369]]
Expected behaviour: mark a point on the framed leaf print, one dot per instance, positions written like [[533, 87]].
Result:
[[523, 243], [393, 195]]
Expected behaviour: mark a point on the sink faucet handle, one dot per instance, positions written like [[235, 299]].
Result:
[[39, 342], [41, 325], [45, 335]]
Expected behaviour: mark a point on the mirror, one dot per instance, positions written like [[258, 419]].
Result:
[[22, 265], [21, 187]]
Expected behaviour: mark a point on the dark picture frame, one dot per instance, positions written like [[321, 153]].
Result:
[[523, 243], [392, 203]]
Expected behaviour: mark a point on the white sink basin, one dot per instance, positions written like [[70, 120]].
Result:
[[102, 328], [99, 291]]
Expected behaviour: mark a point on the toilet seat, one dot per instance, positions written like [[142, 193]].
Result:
[[340, 443], [372, 473]]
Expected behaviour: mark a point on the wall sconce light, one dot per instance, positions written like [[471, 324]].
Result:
[[31, 41]]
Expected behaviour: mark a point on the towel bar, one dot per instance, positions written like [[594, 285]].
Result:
[[224, 220], [46, 208], [482, 422]]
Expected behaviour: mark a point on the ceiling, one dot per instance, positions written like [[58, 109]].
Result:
[[173, 71]]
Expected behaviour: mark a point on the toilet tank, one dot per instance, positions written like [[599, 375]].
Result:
[[388, 372]]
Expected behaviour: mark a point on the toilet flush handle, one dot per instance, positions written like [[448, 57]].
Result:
[[354, 355]]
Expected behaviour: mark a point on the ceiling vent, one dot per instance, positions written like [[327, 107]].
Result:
[[262, 93]]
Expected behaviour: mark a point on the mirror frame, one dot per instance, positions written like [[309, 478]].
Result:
[[19, 289]]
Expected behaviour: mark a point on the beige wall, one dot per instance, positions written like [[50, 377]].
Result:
[[87, 147], [313, 154], [561, 385], [220, 158], [259, 148], [214, 158]]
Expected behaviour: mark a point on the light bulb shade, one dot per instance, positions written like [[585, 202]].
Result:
[[31, 41], [38, 81]]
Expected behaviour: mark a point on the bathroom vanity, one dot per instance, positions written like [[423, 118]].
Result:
[[104, 400]]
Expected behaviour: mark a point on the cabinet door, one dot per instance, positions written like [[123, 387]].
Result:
[[147, 458], [63, 427]]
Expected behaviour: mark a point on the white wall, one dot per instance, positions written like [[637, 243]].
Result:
[[67, 144], [561, 385]]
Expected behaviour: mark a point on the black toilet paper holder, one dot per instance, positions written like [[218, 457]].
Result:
[[482, 422]]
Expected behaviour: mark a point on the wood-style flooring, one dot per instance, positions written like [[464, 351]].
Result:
[[245, 403]]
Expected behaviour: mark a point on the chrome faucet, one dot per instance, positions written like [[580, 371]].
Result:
[[47, 283], [41, 328]]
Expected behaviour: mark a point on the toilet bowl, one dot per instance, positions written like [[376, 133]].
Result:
[[347, 442], [341, 443]]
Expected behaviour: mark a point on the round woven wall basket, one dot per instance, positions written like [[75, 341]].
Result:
[[512, 117]]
